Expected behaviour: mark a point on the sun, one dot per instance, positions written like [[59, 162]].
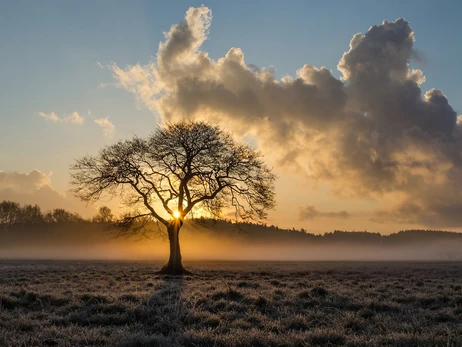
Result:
[[176, 214]]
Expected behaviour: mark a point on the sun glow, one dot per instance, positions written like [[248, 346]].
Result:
[[176, 214]]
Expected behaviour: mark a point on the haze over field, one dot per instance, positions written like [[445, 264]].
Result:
[[225, 241]]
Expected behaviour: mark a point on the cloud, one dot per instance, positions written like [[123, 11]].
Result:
[[50, 116], [34, 187], [24, 182], [372, 133], [310, 212], [73, 118], [106, 125]]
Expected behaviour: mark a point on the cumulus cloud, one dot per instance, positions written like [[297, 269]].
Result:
[[106, 125], [310, 212], [35, 187], [73, 118], [24, 182], [372, 133]]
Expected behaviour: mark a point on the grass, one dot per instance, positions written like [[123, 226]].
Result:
[[231, 304]]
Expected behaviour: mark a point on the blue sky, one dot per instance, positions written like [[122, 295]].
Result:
[[50, 52]]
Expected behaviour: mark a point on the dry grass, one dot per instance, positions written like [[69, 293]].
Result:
[[231, 304]]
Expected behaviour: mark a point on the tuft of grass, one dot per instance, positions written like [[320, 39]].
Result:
[[326, 338], [143, 340], [248, 284], [8, 303], [305, 294], [229, 294], [297, 322], [319, 291], [261, 303], [92, 299]]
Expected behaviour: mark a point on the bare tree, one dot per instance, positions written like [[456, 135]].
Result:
[[104, 215], [182, 168], [10, 214], [31, 214], [60, 215]]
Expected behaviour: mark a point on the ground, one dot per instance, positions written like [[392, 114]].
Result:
[[230, 304]]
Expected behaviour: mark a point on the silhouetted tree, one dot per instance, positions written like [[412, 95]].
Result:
[[10, 213], [59, 215], [179, 169], [31, 214], [104, 215]]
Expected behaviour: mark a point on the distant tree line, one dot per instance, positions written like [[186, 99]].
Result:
[[274, 233], [13, 214]]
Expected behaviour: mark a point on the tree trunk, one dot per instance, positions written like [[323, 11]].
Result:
[[174, 265]]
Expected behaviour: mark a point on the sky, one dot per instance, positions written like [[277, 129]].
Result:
[[361, 129]]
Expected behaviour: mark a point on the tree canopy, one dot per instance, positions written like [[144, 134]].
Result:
[[181, 167]]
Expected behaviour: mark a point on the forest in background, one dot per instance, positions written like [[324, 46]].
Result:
[[27, 232]]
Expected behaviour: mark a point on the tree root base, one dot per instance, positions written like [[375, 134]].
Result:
[[176, 271]]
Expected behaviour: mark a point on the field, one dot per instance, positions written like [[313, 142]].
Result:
[[230, 304]]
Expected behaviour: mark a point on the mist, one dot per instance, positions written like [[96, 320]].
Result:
[[222, 241]]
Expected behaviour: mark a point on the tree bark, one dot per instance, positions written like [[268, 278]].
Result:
[[174, 265]]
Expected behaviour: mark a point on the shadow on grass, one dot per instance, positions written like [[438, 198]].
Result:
[[161, 316]]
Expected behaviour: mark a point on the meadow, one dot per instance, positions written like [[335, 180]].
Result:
[[64, 303]]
